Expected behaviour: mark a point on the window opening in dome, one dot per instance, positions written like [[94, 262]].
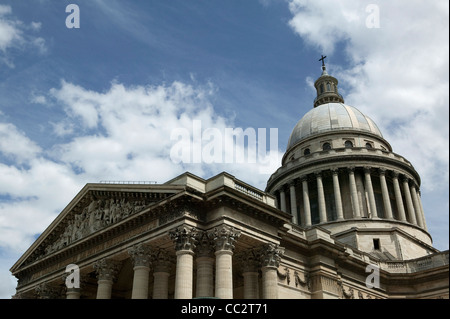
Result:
[[348, 144], [321, 88], [328, 87], [368, 145], [307, 151], [326, 146], [376, 243]]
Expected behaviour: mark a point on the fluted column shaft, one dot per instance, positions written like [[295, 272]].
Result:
[[161, 272], [107, 271], [140, 255], [416, 206], [409, 203], [354, 193], [224, 238], [422, 211], [385, 194], [283, 200], [205, 277], [270, 260], [306, 204], [293, 197], [73, 293], [369, 189], [321, 199], [249, 265], [398, 197], [184, 274], [185, 241], [337, 195]]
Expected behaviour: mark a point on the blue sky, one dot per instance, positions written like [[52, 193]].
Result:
[[100, 102]]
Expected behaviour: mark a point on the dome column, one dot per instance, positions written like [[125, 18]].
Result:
[[283, 200], [421, 210], [337, 195], [369, 189], [306, 204], [416, 205], [321, 198], [398, 197], [293, 197], [385, 194], [409, 203], [354, 193]]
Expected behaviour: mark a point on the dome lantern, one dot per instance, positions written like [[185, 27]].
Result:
[[326, 87]]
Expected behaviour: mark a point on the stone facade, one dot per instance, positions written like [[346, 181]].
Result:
[[341, 203]]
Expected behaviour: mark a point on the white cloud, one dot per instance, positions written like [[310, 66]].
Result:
[[14, 34], [122, 134], [15, 145]]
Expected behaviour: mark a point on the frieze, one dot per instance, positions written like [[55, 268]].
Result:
[[302, 282], [95, 216]]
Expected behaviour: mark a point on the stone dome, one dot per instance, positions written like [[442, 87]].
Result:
[[331, 117]]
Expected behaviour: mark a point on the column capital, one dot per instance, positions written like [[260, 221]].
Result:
[[382, 171], [107, 269], [351, 169], [224, 237], [270, 255], [248, 260], [395, 174], [318, 174], [184, 237], [334, 170], [161, 260], [205, 246], [405, 178], [367, 169], [292, 182], [303, 178], [140, 255], [46, 291]]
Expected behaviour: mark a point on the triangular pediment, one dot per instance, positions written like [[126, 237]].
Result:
[[96, 207]]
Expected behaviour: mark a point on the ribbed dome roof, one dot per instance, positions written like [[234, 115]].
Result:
[[331, 117]]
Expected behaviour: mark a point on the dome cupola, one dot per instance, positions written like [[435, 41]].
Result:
[[326, 87]]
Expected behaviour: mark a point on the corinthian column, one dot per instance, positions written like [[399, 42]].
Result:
[[321, 198], [409, 203], [385, 194], [107, 271], [140, 256], [369, 189], [249, 263], [337, 195], [293, 197], [398, 197], [270, 257], [161, 262], [306, 204], [416, 205], [224, 237], [185, 241], [205, 267], [354, 192], [283, 200]]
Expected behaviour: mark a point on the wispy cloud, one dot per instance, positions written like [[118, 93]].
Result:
[[16, 34]]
